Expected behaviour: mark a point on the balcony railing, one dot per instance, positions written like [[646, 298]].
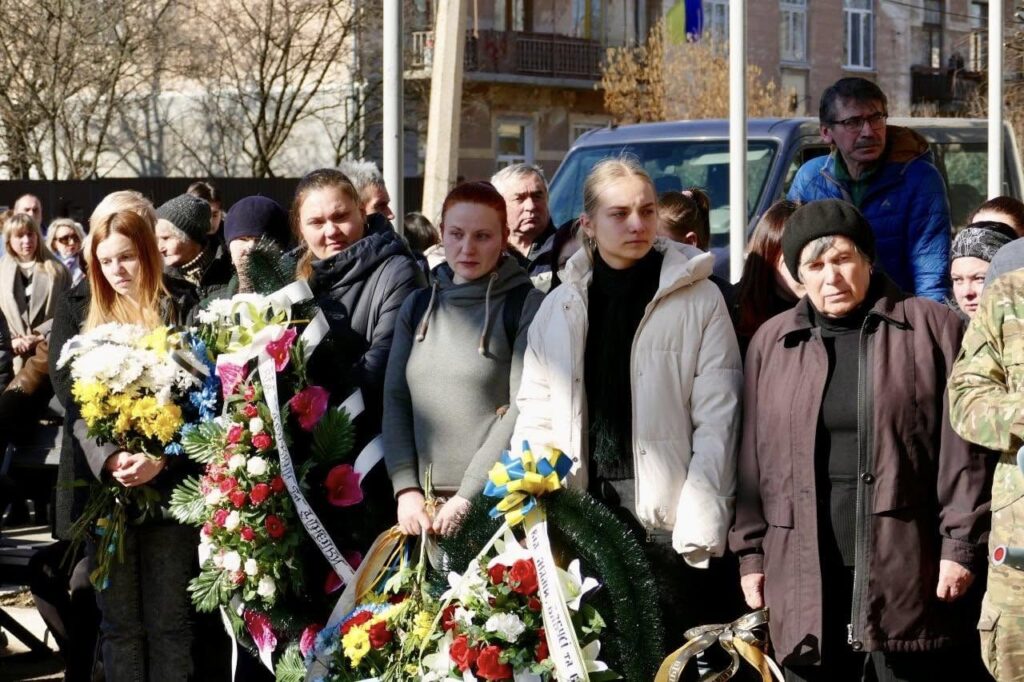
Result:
[[946, 88], [510, 52]]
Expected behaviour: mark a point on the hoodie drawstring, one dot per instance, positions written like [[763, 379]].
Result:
[[421, 333], [482, 348]]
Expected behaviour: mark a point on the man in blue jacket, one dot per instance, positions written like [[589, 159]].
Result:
[[888, 173]]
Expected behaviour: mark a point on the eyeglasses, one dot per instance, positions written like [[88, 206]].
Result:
[[68, 239], [856, 123]]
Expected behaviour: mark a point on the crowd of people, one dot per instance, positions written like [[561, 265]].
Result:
[[821, 438]]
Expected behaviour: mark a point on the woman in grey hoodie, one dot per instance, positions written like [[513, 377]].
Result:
[[456, 358]]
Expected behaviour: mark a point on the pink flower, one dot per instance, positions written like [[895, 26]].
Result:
[[259, 629], [250, 411], [280, 347], [230, 376], [262, 440], [309, 406], [343, 486], [308, 639], [235, 433]]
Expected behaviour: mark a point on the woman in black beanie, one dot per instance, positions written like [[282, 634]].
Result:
[[861, 517]]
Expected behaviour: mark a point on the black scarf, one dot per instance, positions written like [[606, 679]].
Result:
[[617, 302]]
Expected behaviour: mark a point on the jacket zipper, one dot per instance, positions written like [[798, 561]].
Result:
[[864, 408]]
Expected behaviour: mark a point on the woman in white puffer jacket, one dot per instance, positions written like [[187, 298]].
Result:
[[633, 370]]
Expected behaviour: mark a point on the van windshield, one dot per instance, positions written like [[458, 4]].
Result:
[[673, 165]]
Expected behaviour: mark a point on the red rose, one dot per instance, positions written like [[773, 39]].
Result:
[[277, 485], [220, 516], [356, 620], [262, 440], [462, 654], [308, 639], [228, 484], [523, 577], [250, 411], [248, 534], [489, 665], [275, 526], [496, 573], [238, 577], [235, 433], [237, 498], [260, 492], [379, 634], [533, 604], [542, 652], [448, 618]]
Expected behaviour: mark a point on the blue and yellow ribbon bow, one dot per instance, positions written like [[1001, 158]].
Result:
[[519, 481]]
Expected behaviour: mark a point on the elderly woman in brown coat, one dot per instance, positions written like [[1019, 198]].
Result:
[[861, 516]]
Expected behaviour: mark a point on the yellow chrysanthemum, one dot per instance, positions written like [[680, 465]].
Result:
[[87, 392], [93, 412], [356, 644], [421, 625], [166, 423], [156, 340]]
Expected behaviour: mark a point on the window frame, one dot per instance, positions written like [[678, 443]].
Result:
[[717, 28], [792, 13], [529, 154], [854, 11]]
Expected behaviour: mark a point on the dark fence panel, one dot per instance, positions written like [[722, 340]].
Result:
[[76, 198]]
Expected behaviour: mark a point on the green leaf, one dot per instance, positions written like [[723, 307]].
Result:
[[204, 443], [291, 667], [333, 437], [210, 589], [187, 502], [266, 268]]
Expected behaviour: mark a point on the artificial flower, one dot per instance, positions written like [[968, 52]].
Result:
[[462, 654], [230, 376], [266, 587], [260, 630], [255, 425], [343, 489], [233, 520], [232, 561], [251, 567], [508, 626], [308, 638], [279, 349], [489, 665], [275, 526], [523, 577], [379, 634], [309, 405], [356, 644], [262, 440], [256, 466], [237, 498], [259, 493]]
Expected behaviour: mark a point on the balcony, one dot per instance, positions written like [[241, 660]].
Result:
[[948, 89], [511, 53]]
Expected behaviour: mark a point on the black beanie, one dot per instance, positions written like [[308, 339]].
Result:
[[257, 217], [189, 214], [825, 218]]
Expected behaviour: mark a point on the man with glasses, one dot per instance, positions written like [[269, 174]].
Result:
[[888, 173]]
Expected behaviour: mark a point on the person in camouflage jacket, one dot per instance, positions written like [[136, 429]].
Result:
[[986, 396]]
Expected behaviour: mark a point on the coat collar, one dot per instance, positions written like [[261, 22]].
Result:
[[889, 308]]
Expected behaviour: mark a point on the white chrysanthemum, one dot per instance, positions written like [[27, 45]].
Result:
[[255, 425], [232, 561], [214, 497], [266, 587], [256, 466], [508, 626], [251, 567], [232, 521], [236, 462]]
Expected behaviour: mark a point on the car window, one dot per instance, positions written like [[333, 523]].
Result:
[[672, 165]]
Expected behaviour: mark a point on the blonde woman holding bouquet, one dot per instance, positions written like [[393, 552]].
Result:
[[146, 630]]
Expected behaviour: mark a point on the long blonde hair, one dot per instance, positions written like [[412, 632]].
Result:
[[19, 223], [105, 304]]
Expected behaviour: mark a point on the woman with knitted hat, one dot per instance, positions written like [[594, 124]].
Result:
[[861, 517], [182, 233], [970, 257]]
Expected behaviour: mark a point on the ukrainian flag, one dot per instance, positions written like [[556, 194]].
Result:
[[685, 20]]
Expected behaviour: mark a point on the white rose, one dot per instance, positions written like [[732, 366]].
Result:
[[508, 626], [214, 497], [236, 462], [232, 561], [266, 588], [255, 425], [251, 567], [256, 466], [232, 521]]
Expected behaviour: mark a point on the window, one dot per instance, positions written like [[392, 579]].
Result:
[[580, 127], [515, 142], [978, 53], [716, 19], [793, 30], [933, 12], [587, 20], [511, 15], [932, 27], [979, 14], [858, 34]]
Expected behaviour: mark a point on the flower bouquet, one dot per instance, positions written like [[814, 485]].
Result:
[[493, 622], [259, 536], [130, 391], [381, 638]]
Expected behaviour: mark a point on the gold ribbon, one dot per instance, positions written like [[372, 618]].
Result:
[[738, 638], [519, 481]]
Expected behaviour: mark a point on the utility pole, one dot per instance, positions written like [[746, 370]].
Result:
[[737, 137], [440, 167], [394, 134], [995, 98]]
